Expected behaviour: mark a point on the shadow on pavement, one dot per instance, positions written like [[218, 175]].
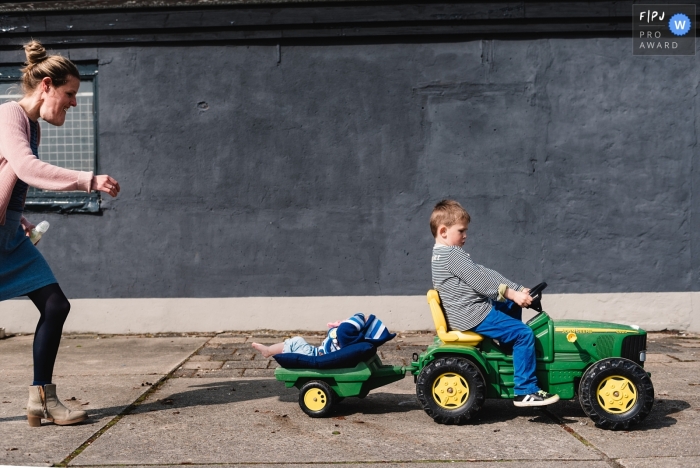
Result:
[[23, 417], [657, 419], [227, 392], [493, 411], [660, 414], [214, 393]]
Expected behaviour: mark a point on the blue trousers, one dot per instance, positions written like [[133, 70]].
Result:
[[504, 323]]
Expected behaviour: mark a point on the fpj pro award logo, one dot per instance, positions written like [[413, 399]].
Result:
[[664, 29]]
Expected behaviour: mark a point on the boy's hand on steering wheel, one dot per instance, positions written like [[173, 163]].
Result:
[[522, 298]]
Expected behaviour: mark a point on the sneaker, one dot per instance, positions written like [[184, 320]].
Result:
[[541, 398]]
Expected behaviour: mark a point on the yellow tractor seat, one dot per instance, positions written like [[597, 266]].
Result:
[[452, 336]]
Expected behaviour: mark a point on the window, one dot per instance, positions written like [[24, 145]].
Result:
[[73, 145]]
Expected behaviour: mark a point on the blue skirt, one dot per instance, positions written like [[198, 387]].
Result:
[[22, 267]]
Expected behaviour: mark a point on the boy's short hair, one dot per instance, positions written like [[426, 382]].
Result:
[[448, 213]]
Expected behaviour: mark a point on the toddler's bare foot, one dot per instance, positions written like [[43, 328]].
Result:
[[264, 350]]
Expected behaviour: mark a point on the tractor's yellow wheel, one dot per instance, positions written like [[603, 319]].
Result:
[[450, 390], [316, 398], [616, 394]]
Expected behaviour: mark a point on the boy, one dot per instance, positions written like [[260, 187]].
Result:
[[475, 298]]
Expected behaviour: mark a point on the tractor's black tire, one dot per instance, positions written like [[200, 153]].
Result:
[[598, 381], [316, 398], [459, 374]]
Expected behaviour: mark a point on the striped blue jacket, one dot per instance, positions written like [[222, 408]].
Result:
[[356, 329]]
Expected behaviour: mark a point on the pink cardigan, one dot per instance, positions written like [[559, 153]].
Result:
[[17, 161]]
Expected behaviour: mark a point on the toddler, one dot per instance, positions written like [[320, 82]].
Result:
[[340, 334]]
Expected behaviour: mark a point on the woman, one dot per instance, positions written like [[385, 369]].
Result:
[[50, 84]]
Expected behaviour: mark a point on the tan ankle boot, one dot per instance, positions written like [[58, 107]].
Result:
[[44, 404]]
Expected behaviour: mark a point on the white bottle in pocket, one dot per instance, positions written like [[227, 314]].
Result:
[[38, 231]]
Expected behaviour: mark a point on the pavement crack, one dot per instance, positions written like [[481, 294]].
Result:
[[129, 409], [679, 359], [581, 439]]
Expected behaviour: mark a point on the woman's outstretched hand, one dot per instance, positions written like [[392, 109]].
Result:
[[105, 183]]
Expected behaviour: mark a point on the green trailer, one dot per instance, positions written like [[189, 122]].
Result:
[[320, 390], [599, 363]]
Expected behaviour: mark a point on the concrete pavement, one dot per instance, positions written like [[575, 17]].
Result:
[[203, 400]]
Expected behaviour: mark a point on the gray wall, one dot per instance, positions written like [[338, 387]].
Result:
[[314, 172]]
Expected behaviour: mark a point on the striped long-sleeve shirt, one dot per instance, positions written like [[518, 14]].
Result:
[[465, 287]]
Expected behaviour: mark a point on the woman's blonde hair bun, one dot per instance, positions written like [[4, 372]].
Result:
[[35, 53], [41, 65]]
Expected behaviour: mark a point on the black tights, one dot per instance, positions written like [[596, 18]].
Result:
[[53, 307]]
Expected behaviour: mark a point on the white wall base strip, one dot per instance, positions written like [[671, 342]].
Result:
[[651, 311]]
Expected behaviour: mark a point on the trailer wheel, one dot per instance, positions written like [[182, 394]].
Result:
[[316, 399], [451, 390], [616, 393]]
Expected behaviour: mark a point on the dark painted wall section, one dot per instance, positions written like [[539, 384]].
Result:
[[314, 172]]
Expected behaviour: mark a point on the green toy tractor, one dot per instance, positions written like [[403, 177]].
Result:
[[600, 362]]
